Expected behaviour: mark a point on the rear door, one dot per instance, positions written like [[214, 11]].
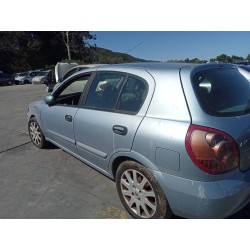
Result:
[[109, 118]]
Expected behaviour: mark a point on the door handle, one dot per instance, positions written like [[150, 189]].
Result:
[[68, 118], [120, 130]]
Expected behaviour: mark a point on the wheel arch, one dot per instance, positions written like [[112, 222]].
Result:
[[163, 208], [120, 157], [32, 116], [38, 121], [117, 161]]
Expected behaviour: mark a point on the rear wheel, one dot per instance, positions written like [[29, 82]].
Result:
[[36, 134], [140, 192], [9, 82]]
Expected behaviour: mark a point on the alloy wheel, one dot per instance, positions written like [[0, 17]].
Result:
[[35, 133], [138, 193]]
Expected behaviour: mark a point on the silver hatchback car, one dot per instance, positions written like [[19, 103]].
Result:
[[174, 137]]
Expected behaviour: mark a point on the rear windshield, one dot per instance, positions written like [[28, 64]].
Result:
[[222, 92]]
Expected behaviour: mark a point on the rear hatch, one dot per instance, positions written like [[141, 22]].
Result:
[[61, 69], [219, 97]]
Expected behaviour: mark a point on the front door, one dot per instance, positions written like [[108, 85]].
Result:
[[58, 119]]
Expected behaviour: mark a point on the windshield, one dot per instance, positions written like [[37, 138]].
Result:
[[43, 73], [222, 92], [23, 74]]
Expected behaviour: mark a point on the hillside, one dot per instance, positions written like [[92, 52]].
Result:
[[101, 55]]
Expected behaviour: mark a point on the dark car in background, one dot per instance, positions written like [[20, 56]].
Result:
[[6, 79]]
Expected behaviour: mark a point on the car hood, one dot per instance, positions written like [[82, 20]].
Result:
[[20, 77], [38, 78]]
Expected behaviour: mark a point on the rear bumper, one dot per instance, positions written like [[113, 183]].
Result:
[[196, 199]]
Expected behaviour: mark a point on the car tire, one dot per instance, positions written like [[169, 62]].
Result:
[[140, 192], [36, 134], [9, 83]]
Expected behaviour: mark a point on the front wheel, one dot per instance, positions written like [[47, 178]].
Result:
[[9, 82], [140, 192], [36, 134]]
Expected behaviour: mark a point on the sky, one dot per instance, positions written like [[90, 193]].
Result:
[[160, 30], [167, 45]]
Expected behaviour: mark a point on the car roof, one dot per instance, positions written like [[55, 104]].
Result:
[[79, 68], [84, 66], [148, 65], [161, 66]]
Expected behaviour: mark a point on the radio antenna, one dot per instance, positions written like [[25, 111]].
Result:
[[133, 48]]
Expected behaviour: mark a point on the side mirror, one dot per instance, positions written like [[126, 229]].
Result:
[[50, 100]]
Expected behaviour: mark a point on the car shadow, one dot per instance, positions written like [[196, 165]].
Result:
[[51, 146]]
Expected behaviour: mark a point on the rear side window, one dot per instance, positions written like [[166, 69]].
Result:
[[118, 92], [222, 92], [132, 95]]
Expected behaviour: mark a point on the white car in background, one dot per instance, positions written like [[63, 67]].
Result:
[[26, 77], [44, 77]]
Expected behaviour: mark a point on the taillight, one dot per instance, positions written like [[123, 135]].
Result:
[[212, 150]]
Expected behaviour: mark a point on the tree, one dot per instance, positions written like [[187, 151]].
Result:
[[223, 58], [226, 58], [76, 43], [248, 57], [12, 44], [25, 50], [236, 58]]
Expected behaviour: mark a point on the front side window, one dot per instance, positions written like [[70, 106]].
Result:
[[70, 93], [222, 92]]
